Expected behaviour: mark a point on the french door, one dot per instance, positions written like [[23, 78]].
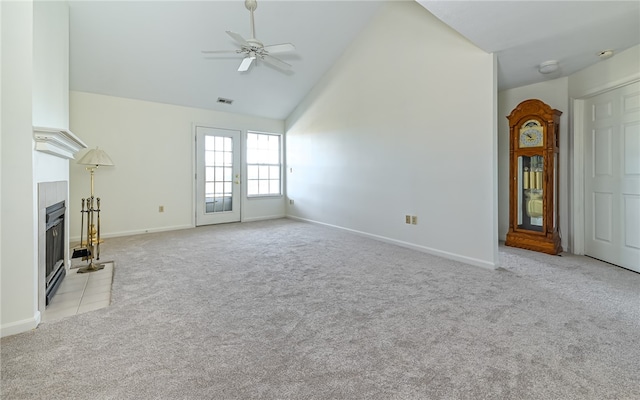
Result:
[[217, 176], [612, 176]]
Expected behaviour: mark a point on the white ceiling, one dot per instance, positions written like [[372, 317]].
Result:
[[524, 34], [151, 50]]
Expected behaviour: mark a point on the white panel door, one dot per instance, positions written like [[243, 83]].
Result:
[[612, 177], [217, 176]]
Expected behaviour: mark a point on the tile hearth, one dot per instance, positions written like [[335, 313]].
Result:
[[80, 293]]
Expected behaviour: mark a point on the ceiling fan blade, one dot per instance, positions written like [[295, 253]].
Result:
[[276, 62], [246, 63], [280, 48], [237, 37], [220, 51]]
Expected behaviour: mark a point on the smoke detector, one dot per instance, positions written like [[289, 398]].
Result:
[[548, 67]]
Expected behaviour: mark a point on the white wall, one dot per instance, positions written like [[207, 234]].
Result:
[[404, 123], [51, 64], [152, 147], [18, 269], [619, 69], [1, 164], [35, 37], [50, 83], [555, 94]]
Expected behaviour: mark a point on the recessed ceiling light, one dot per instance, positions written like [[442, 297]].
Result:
[[548, 67], [604, 54]]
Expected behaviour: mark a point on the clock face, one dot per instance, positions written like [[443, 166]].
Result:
[[531, 134]]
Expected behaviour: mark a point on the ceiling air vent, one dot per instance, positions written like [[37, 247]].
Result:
[[224, 101]]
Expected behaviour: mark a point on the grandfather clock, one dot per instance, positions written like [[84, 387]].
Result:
[[533, 177]]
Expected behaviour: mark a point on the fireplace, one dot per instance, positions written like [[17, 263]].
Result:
[[55, 270], [53, 149], [53, 238]]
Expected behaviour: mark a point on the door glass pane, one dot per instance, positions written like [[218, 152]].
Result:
[[530, 192], [555, 189], [209, 143], [208, 158], [218, 174]]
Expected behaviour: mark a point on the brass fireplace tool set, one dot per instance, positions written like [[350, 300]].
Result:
[[90, 248]]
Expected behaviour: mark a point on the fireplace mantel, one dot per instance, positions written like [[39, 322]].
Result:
[[58, 142]]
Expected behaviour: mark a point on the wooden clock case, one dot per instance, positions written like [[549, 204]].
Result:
[[533, 196]]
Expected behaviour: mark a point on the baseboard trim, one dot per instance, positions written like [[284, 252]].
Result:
[[264, 218], [138, 232], [76, 239], [25, 325], [444, 254]]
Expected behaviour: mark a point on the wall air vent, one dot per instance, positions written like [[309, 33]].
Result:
[[224, 101]]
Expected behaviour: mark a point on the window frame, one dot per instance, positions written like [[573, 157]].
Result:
[[279, 165]]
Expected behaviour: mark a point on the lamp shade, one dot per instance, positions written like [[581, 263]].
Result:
[[96, 157]]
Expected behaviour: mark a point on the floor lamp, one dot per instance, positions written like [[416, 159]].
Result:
[[91, 209]]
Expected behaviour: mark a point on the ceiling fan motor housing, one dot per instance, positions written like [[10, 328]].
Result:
[[255, 44]]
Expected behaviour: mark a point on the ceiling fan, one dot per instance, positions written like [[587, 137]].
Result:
[[252, 48]]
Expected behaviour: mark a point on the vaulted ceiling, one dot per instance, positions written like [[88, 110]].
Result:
[[151, 50]]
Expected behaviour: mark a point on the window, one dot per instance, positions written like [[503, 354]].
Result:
[[263, 164]]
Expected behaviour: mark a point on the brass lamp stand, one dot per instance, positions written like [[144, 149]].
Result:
[[91, 208]]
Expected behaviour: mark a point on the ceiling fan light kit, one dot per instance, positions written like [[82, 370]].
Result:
[[253, 49]]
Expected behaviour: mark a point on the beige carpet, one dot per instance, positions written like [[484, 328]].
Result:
[[289, 310]]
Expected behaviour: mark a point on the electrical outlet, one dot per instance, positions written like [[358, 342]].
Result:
[[414, 220], [407, 219], [291, 201], [161, 209]]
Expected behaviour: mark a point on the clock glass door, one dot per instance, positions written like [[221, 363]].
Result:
[[530, 192]]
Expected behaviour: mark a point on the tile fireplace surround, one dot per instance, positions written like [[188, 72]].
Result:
[[50, 193]]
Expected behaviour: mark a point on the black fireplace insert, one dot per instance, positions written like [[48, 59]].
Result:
[[54, 249]]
